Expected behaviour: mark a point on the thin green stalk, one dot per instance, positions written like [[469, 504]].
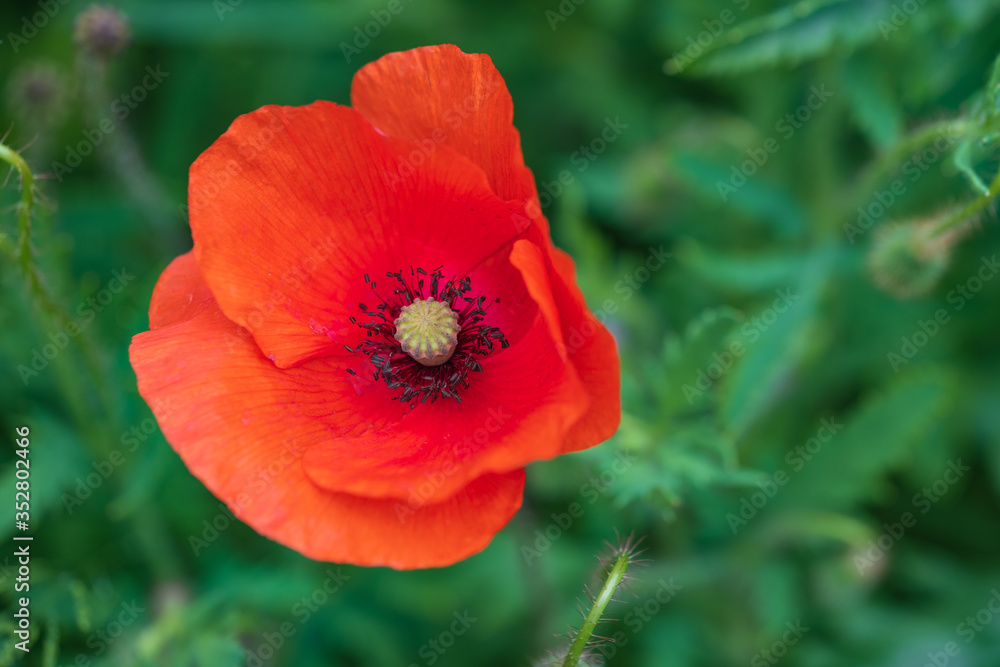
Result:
[[121, 155], [890, 160], [971, 209], [20, 254], [151, 533], [12, 158], [615, 578], [56, 315]]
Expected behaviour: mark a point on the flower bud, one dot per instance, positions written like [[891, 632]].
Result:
[[36, 94], [907, 259], [101, 31]]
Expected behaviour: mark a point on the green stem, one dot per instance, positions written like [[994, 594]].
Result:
[[23, 250], [122, 158], [57, 317], [20, 253], [152, 535], [615, 578], [889, 160], [971, 209]]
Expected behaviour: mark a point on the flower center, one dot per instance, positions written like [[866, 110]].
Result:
[[428, 330], [428, 336]]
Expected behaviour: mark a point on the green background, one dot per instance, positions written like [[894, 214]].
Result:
[[719, 387]]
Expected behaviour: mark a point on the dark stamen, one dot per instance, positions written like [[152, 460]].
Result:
[[400, 371]]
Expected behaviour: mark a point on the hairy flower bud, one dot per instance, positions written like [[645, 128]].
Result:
[[36, 93], [101, 31], [907, 259]]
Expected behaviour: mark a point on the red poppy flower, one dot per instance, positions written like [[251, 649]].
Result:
[[374, 334]]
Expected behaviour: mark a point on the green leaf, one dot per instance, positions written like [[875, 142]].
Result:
[[963, 158], [876, 438], [873, 102], [687, 355], [769, 205], [739, 272], [774, 341], [56, 458], [796, 33]]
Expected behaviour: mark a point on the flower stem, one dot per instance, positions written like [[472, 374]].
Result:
[[615, 578], [971, 209], [910, 144], [122, 158], [57, 317], [22, 252], [151, 533]]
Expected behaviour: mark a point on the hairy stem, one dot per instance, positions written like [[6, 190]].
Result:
[[889, 160], [54, 315], [971, 209], [614, 579]]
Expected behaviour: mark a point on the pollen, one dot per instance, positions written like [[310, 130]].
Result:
[[427, 330]]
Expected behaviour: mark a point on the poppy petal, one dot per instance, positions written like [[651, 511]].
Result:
[[594, 354], [309, 223], [517, 410], [459, 100], [215, 404], [292, 207], [180, 293], [440, 95]]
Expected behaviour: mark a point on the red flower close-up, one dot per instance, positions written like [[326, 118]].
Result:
[[373, 334]]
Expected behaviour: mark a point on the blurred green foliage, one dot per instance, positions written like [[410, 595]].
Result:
[[814, 462]]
